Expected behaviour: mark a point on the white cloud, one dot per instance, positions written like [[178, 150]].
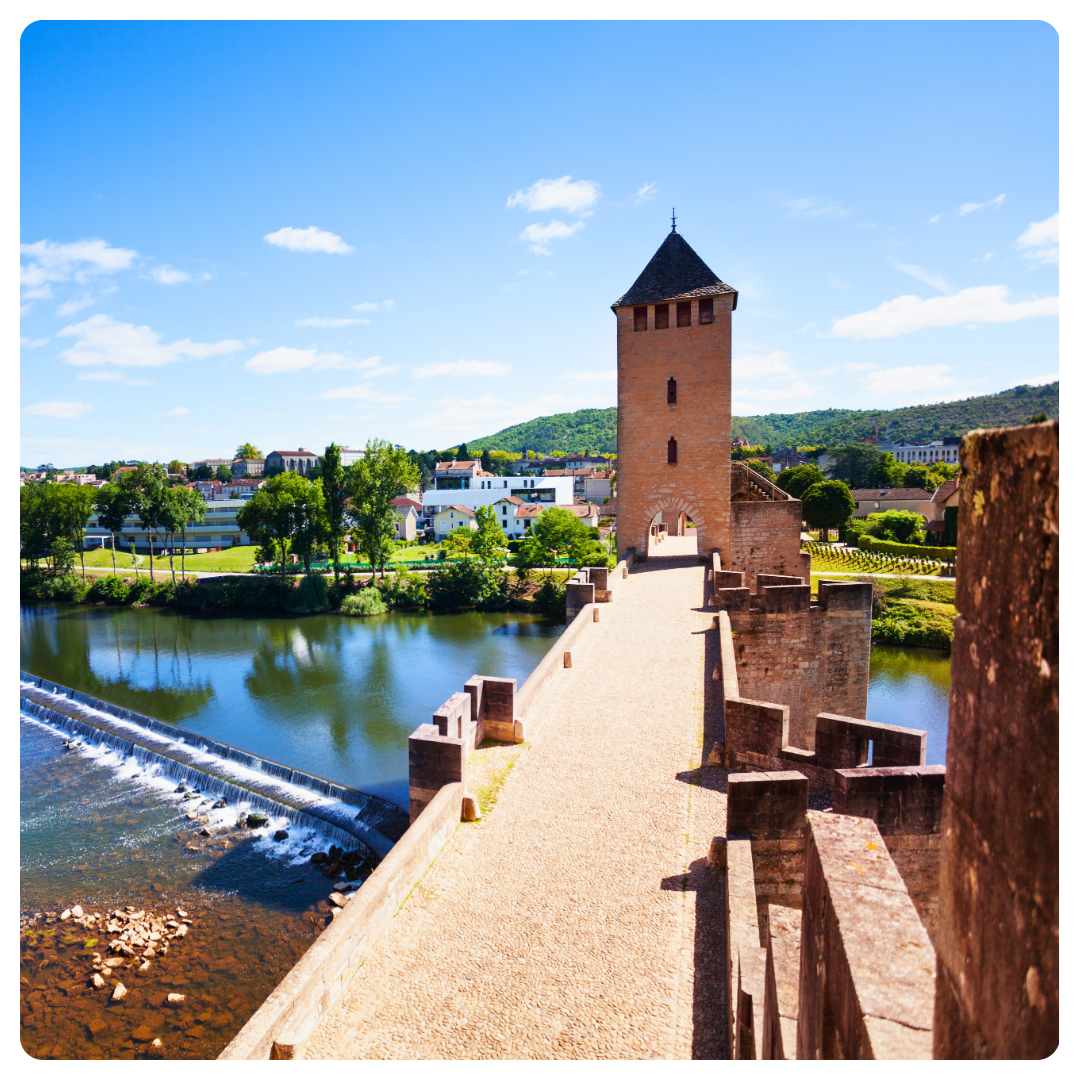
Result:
[[808, 326], [936, 217], [168, 275], [61, 262], [70, 307], [577, 197], [1039, 241], [283, 359], [538, 236], [1041, 380], [927, 277], [588, 376], [316, 320], [814, 206], [462, 368], [755, 365], [102, 341], [111, 376], [644, 193], [308, 240], [905, 314], [369, 305], [909, 381], [58, 410], [986, 258], [364, 392], [26, 343], [971, 207], [180, 410]]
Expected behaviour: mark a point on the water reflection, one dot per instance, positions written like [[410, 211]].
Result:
[[910, 688]]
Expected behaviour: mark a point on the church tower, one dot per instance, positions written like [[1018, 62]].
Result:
[[674, 370]]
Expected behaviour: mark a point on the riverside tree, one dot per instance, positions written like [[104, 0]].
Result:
[[193, 510], [336, 500], [827, 505], [113, 504], [382, 475], [146, 482], [271, 515], [488, 541]]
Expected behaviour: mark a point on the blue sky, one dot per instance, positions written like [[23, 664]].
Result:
[[292, 233]]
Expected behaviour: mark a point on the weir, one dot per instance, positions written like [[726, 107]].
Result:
[[345, 815]]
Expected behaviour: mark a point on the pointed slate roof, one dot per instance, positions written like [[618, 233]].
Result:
[[675, 272]]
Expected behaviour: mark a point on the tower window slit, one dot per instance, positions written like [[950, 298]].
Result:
[[660, 319], [682, 313], [641, 318], [705, 311], [672, 451], [671, 391]]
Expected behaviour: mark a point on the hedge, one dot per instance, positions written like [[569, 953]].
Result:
[[913, 551]]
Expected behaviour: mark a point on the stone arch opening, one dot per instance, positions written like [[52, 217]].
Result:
[[676, 527]]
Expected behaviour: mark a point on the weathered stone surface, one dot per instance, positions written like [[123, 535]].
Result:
[[781, 1016], [997, 938]]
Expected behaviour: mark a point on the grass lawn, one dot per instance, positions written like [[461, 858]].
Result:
[[236, 560]]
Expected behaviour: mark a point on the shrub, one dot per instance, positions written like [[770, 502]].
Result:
[[904, 624], [550, 598], [404, 590], [111, 590], [467, 583], [34, 585], [364, 602], [915, 551], [309, 596]]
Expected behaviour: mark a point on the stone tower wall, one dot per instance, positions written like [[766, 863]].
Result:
[[699, 359], [765, 539]]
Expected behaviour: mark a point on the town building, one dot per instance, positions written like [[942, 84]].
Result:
[[465, 483], [947, 450], [878, 500], [248, 467], [298, 461], [219, 529], [408, 512], [453, 517]]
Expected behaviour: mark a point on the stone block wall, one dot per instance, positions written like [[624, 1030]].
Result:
[[998, 964], [699, 359], [765, 539]]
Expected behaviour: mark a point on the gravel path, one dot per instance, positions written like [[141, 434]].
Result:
[[577, 919]]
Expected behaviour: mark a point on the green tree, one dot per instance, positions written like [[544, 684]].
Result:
[[193, 510], [915, 475], [223, 473], [176, 466], [75, 504], [827, 505], [557, 534], [247, 451], [36, 523], [488, 541], [463, 453], [798, 480], [457, 543], [485, 461], [382, 475], [146, 482], [336, 496], [309, 526], [113, 504], [270, 515], [762, 468], [202, 472], [860, 465], [900, 525]]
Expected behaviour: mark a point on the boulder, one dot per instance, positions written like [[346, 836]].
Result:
[[176, 1000], [257, 821], [219, 805], [77, 912], [97, 982], [338, 900], [280, 835], [119, 992], [156, 1049], [319, 857]]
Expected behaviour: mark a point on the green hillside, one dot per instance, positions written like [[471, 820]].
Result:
[[593, 430]]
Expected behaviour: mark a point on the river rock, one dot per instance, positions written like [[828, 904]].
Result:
[[191, 815], [202, 819], [257, 821], [180, 788], [319, 857], [181, 932], [181, 914], [280, 835], [142, 1034], [338, 900], [176, 1000], [219, 805], [97, 982], [204, 832], [156, 1049], [340, 886], [77, 911], [65, 914], [144, 966], [119, 992], [116, 961], [97, 1028]]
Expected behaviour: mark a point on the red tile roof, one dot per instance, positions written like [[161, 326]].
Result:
[[945, 490], [889, 494]]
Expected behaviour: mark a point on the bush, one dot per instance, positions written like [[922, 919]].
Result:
[[404, 590], [309, 596], [467, 583], [550, 598], [111, 590], [34, 585], [915, 551], [905, 624], [364, 602]]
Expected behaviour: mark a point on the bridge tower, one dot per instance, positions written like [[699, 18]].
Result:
[[674, 371]]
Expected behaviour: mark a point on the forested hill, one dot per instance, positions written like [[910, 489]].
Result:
[[593, 430]]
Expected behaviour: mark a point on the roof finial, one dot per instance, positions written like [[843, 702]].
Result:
[[673, 219]]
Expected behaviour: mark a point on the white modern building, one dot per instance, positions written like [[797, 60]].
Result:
[[218, 529], [464, 483], [924, 453]]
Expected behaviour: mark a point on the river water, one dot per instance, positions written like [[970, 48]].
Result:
[[336, 697]]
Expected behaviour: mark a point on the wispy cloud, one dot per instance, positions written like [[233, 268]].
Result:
[[575, 197], [169, 275], [324, 323], [70, 307], [971, 207], [588, 376], [813, 206], [369, 305], [461, 369], [283, 360], [757, 365], [908, 381], [80, 260], [111, 376], [180, 410], [1039, 241], [308, 240], [905, 314], [808, 326], [986, 258], [927, 277], [644, 193], [364, 392], [936, 217], [538, 236], [102, 341], [58, 410], [26, 343]]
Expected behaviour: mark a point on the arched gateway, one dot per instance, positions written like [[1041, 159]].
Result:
[[674, 357]]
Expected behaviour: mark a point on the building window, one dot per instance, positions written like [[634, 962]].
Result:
[[660, 319], [672, 451], [682, 313], [671, 391], [704, 309], [641, 318]]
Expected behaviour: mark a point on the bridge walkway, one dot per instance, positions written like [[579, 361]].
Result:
[[577, 919]]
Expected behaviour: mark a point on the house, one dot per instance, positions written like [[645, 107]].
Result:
[[299, 461], [454, 517], [527, 513], [408, 515], [596, 487], [465, 483], [247, 467], [947, 496], [878, 500], [506, 514], [208, 489], [241, 489]]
